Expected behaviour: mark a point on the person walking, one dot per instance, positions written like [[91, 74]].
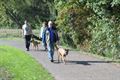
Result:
[[50, 40], [43, 35], [56, 39], [27, 33]]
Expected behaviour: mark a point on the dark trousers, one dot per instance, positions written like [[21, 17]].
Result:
[[27, 41]]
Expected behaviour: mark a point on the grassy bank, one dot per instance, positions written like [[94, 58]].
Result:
[[16, 65]]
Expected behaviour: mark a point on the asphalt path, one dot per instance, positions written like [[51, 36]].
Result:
[[79, 66]]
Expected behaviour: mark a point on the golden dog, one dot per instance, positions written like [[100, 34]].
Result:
[[35, 43], [62, 53]]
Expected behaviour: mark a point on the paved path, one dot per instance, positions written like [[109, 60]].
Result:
[[78, 67]]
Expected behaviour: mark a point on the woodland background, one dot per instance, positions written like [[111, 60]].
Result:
[[89, 25]]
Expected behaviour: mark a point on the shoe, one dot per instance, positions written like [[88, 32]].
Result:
[[27, 50], [45, 49], [51, 60]]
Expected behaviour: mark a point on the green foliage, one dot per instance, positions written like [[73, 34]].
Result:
[[91, 23], [72, 21], [105, 28], [105, 38], [14, 12]]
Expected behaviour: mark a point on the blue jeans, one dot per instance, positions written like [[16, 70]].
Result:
[[44, 45], [50, 47]]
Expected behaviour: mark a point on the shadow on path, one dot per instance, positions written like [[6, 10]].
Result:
[[87, 62]]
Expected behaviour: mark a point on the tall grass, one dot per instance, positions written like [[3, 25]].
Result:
[[6, 33], [14, 33]]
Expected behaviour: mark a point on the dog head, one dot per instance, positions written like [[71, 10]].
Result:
[[66, 51], [32, 39]]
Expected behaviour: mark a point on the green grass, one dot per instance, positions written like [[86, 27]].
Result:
[[14, 33], [16, 65], [9, 38]]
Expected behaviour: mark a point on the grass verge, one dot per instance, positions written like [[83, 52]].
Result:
[[16, 65]]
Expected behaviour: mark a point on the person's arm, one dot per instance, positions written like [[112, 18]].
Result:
[[22, 32], [41, 32], [31, 30], [47, 36]]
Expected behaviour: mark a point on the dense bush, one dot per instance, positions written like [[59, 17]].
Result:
[[106, 38], [72, 22], [105, 28], [91, 23]]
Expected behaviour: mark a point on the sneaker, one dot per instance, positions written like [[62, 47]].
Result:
[[51, 60], [27, 50], [45, 49]]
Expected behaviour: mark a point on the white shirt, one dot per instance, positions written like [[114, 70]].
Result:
[[26, 29], [42, 31]]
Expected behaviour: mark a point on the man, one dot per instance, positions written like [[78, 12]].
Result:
[[50, 40], [27, 32]]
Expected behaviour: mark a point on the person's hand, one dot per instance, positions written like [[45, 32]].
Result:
[[40, 38], [58, 42]]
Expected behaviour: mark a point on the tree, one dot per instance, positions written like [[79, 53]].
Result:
[[18, 10], [95, 22]]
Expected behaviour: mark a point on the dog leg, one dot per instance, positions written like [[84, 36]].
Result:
[[32, 46], [58, 57], [37, 47], [63, 59]]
